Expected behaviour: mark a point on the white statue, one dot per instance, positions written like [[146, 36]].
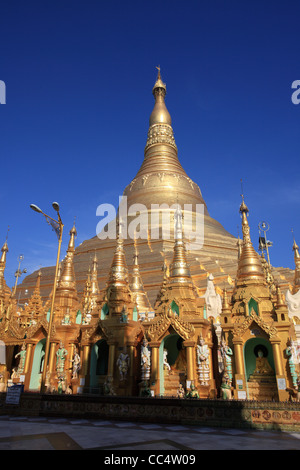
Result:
[[123, 364], [145, 360], [166, 364], [212, 299], [76, 364], [293, 303], [203, 362]]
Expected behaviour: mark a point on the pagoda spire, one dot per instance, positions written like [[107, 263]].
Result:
[[225, 304], [67, 282], [160, 134], [179, 268], [137, 287], [161, 176], [297, 266], [35, 307], [118, 291], [4, 251], [249, 266], [94, 278]]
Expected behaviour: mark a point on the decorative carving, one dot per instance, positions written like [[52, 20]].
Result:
[[107, 333], [160, 325], [160, 134], [239, 330]]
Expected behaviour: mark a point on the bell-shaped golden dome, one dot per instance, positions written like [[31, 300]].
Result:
[[160, 114], [161, 178]]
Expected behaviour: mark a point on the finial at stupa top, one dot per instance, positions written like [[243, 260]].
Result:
[[160, 114]]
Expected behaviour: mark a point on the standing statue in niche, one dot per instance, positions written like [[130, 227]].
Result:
[[145, 360], [76, 364], [123, 365], [226, 353], [165, 363], [203, 362], [61, 354], [22, 355], [291, 353]]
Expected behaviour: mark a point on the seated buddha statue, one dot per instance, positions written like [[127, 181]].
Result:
[[262, 366]]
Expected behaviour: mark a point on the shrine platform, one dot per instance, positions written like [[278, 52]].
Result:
[[238, 414]]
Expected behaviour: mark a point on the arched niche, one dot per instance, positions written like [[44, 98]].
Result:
[[37, 365], [251, 349], [99, 362]]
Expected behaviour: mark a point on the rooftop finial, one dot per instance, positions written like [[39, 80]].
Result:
[[158, 74], [242, 188], [243, 208], [295, 248]]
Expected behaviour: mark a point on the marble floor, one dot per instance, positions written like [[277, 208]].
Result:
[[37, 433]]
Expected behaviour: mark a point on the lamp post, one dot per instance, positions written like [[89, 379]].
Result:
[[57, 225], [264, 243]]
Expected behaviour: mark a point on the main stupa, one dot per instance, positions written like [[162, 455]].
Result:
[[156, 305], [161, 179]]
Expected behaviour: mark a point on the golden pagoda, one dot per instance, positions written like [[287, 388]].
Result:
[[123, 324], [161, 180]]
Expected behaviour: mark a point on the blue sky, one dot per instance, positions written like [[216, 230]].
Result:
[[79, 76]]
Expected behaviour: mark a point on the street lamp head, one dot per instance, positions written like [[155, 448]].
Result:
[[35, 208], [55, 206]]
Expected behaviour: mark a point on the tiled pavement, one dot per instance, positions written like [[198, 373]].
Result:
[[38, 433]]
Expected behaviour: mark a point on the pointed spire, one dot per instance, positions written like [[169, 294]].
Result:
[[160, 126], [137, 287], [73, 235], [35, 306], [225, 304], [119, 270], [67, 281], [118, 292], [160, 114], [279, 298], [297, 266], [4, 250], [249, 267], [179, 268], [163, 287], [161, 175], [94, 278], [296, 250]]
